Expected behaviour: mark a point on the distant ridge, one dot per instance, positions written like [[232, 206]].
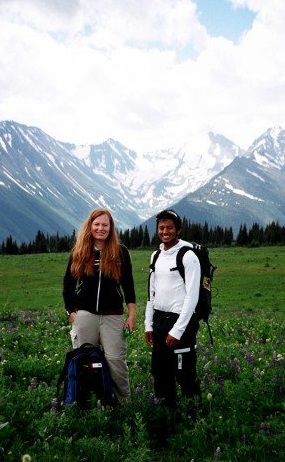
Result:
[[46, 185]]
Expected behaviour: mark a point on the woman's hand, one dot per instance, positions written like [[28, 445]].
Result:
[[131, 320], [130, 323], [72, 316]]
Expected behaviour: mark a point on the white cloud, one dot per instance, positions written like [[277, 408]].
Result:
[[144, 72]]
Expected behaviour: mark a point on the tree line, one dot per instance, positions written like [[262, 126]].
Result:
[[139, 237]]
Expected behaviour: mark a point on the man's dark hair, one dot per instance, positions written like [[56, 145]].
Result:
[[169, 215]]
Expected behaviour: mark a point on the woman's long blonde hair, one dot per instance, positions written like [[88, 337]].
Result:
[[83, 250]]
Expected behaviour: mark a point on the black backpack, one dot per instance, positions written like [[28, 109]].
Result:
[[204, 305], [85, 374]]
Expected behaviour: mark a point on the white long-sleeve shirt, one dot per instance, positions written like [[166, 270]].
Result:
[[169, 293]]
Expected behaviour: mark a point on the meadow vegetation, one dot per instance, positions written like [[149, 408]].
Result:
[[242, 374]]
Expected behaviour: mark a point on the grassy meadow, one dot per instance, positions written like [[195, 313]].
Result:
[[242, 374]]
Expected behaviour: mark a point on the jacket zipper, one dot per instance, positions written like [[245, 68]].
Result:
[[98, 292], [99, 288]]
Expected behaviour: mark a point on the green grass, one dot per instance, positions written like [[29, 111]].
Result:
[[246, 278], [250, 278], [242, 375]]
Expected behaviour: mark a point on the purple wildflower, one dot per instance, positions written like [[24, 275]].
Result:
[[34, 383], [249, 357]]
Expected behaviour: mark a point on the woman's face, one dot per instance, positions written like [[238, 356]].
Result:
[[100, 229]]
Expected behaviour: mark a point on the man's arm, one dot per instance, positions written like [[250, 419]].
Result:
[[192, 287], [149, 309]]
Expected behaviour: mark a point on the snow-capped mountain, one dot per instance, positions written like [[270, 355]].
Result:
[[150, 181], [162, 176], [251, 189], [51, 186], [43, 186]]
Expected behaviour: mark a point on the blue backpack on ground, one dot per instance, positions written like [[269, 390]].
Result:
[[85, 375]]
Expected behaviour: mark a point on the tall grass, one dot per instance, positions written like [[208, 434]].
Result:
[[242, 374]]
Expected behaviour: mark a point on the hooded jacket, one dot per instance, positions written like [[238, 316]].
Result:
[[99, 294], [169, 293]]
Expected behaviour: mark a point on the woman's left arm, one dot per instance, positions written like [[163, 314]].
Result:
[[131, 320]]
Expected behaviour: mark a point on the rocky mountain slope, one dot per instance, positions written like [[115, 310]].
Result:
[[51, 185]]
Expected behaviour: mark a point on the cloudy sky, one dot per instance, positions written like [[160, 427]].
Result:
[[149, 73]]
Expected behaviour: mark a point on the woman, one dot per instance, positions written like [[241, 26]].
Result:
[[98, 271]]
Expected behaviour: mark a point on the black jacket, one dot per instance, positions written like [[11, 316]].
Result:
[[97, 293]]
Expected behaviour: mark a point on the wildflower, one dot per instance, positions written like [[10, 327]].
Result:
[[265, 428], [154, 400], [217, 453], [138, 389], [220, 382], [249, 357], [100, 407], [209, 396], [26, 458], [34, 382], [54, 405], [236, 365], [207, 365], [277, 358]]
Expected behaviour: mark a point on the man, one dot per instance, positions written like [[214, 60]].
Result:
[[171, 324]]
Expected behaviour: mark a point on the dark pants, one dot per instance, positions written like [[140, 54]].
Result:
[[178, 364]]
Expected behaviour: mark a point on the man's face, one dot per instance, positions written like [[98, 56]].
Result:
[[167, 233]]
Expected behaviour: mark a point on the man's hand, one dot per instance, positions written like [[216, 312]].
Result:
[[149, 338], [171, 341]]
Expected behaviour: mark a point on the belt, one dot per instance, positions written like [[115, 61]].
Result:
[[166, 314]]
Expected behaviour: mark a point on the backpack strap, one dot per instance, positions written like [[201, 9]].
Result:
[[152, 270], [155, 257], [179, 264], [63, 374]]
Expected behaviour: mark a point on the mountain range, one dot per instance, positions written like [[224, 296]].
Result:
[[51, 186]]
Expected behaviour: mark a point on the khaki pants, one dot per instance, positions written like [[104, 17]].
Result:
[[108, 332]]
